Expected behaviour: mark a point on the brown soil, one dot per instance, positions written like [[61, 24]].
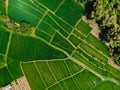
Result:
[[22, 84], [95, 28], [112, 63]]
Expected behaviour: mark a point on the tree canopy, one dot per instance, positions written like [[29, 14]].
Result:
[[106, 13]]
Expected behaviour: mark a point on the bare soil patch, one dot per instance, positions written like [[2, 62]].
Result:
[[95, 28], [112, 63], [21, 84]]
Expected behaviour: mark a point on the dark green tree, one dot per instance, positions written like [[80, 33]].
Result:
[[107, 15]]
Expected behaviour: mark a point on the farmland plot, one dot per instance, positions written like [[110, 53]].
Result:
[[4, 37], [60, 54]]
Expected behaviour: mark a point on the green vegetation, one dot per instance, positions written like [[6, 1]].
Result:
[[5, 77], [70, 75], [2, 61], [97, 44], [2, 7], [106, 14], [80, 27], [106, 85], [28, 48], [74, 13], [14, 68], [4, 37], [49, 44], [49, 4]]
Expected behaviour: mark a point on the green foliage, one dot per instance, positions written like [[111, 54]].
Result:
[[14, 68], [2, 61], [117, 59], [25, 28], [5, 77], [82, 2], [67, 73], [106, 13], [10, 24], [75, 12], [4, 37], [56, 55]]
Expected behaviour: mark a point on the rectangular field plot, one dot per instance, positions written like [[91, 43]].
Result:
[[51, 4], [37, 7], [93, 52], [33, 77], [72, 67], [101, 71], [95, 42], [86, 80], [81, 81], [91, 59], [70, 12], [61, 42], [26, 7], [2, 61], [88, 63], [75, 40], [46, 73], [106, 84], [112, 70], [59, 69], [83, 27], [14, 68], [20, 16], [51, 24], [21, 11], [49, 72], [79, 35], [42, 34], [68, 84], [61, 23], [4, 38], [5, 77], [27, 48], [46, 27]]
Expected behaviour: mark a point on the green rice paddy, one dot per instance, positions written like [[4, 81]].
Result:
[[61, 53]]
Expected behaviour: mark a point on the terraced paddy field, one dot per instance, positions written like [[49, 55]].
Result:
[[61, 53]]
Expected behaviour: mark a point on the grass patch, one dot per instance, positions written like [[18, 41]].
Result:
[[83, 27], [29, 48], [106, 85], [2, 61], [4, 38], [5, 77], [69, 10], [97, 44], [15, 69]]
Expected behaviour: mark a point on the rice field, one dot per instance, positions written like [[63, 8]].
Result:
[[61, 53]]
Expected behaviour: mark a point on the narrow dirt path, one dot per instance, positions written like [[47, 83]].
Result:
[[6, 5]]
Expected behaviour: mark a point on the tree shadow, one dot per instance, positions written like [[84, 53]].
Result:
[[89, 8]]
